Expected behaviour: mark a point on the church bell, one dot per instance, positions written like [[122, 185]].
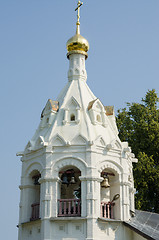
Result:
[[64, 179], [105, 183], [72, 180]]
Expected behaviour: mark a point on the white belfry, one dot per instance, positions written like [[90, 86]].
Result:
[[64, 193]]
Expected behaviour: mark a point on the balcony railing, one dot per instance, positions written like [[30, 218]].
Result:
[[35, 211], [107, 209], [69, 208]]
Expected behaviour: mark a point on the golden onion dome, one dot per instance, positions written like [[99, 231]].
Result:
[[77, 43]]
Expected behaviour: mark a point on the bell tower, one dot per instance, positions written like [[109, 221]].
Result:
[[77, 180]]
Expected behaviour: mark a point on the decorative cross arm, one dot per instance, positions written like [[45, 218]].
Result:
[[78, 11]]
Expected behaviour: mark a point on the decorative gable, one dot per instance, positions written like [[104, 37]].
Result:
[[100, 141], [48, 113], [72, 112], [29, 146], [109, 110], [111, 116], [115, 144], [79, 140], [50, 106], [58, 141], [97, 113]]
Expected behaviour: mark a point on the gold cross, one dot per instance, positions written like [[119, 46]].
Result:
[[78, 12]]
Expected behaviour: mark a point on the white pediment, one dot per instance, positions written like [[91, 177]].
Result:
[[115, 144], [97, 113], [118, 144], [96, 105], [50, 106], [29, 145], [79, 140], [100, 141], [73, 104], [58, 141]]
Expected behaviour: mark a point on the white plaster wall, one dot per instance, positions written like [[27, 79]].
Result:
[[137, 236], [61, 230], [30, 232]]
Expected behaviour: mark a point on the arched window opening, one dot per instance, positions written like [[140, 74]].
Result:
[[34, 196], [72, 118], [109, 194], [70, 197], [98, 118]]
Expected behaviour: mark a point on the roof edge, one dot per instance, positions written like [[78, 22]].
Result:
[[138, 231]]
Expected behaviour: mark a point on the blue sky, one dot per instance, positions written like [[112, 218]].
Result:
[[123, 64]]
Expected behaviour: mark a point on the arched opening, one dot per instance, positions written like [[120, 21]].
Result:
[[34, 195], [72, 118], [98, 118], [69, 203], [110, 194]]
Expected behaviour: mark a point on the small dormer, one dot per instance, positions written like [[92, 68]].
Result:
[[48, 113], [109, 110], [97, 113], [72, 112]]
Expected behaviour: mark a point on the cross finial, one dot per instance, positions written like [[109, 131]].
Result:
[[79, 4]]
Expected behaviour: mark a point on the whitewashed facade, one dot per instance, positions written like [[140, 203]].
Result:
[[63, 165]]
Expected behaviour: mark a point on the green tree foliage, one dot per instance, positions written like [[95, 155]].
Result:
[[138, 124]]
